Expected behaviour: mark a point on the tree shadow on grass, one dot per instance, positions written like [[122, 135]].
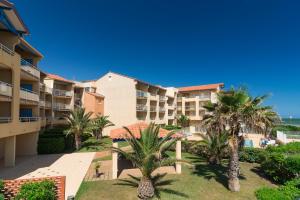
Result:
[[158, 183], [217, 172], [259, 171]]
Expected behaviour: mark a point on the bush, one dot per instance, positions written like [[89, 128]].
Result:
[[289, 191], [290, 148], [280, 167], [171, 127], [36, 191], [48, 145], [252, 155], [1, 190]]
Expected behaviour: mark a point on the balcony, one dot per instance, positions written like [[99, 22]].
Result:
[[42, 87], [162, 109], [162, 98], [141, 108], [152, 108], [5, 120], [29, 119], [61, 106], [5, 89], [190, 108], [48, 90], [42, 103], [141, 94], [29, 95], [62, 93], [30, 69], [179, 99], [48, 104], [6, 55]]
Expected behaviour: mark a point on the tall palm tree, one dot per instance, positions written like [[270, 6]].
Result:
[[148, 154], [98, 125], [79, 123], [236, 109]]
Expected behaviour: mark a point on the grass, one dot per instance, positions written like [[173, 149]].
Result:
[[93, 145], [202, 181]]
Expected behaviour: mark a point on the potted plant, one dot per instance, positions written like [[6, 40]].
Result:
[[97, 166]]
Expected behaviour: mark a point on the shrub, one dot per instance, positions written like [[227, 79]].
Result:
[[171, 127], [290, 148], [36, 191], [1, 190], [280, 167], [48, 145], [289, 191], [252, 155]]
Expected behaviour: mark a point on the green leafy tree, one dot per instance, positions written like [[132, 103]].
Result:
[[79, 122], [99, 124], [234, 111], [183, 121], [147, 155]]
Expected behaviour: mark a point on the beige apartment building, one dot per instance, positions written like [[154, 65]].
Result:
[[190, 101], [19, 88], [62, 98]]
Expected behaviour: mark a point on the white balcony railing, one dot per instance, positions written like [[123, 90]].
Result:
[[61, 106], [29, 95], [152, 108], [162, 109], [29, 68], [6, 50], [162, 98], [62, 93], [48, 90], [5, 89], [29, 119], [5, 119], [187, 108], [140, 107], [42, 103], [141, 94], [48, 104]]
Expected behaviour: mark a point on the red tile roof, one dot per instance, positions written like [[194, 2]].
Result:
[[201, 87], [121, 133], [59, 78]]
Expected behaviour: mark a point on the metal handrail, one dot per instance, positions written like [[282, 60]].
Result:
[[6, 49], [29, 119], [7, 84], [5, 119], [140, 93], [141, 107], [59, 92], [30, 91], [26, 63]]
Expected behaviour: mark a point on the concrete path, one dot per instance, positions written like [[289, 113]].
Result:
[[74, 166]]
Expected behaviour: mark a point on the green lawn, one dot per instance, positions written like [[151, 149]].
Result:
[[93, 145], [199, 182]]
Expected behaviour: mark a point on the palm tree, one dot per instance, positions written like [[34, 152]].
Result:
[[148, 154], [236, 109], [98, 125], [183, 121], [79, 123], [215, 146]]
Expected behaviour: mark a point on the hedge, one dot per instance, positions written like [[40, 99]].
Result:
[[48, 145], [44, 190], [252, 155]]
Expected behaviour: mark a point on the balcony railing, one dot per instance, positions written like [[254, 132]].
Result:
[[29, 95], [29, 119], [140, 107], [179, 98], [162, 98], [62, 93], [42, 103], [187, 108], [5, 89], [162, 109], [141, 94], [6, 50], [61, 106], [5, 119], [48, 90], [42, 86], [152, 108], [29, 68], [48, 104]]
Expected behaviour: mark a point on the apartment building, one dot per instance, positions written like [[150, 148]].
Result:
[[86, 96], [190, 101], [19, 88], [129, 100], [62, 98]]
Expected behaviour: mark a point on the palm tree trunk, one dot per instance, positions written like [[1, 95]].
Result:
[[77, 141], [233, 182], [145, 189], [100, 134]]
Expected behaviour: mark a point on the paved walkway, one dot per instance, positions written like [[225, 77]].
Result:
[[74, 166]]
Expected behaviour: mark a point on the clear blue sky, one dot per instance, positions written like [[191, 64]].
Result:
[[253, 43]]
